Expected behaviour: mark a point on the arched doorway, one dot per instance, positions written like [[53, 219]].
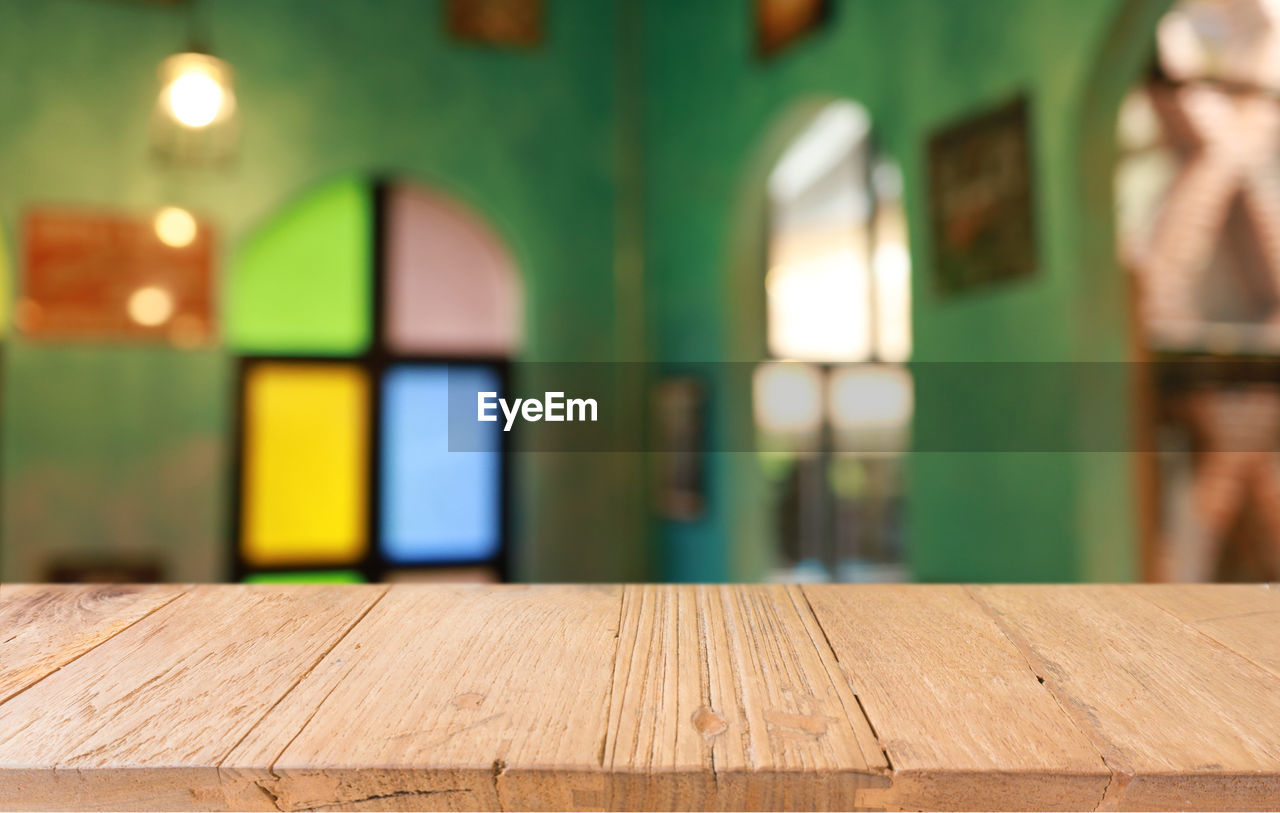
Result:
[[358, 312], [833, 404]]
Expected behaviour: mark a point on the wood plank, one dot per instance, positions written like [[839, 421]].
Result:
[[45, 627], [142, 721], [965, 722], [1245, 618], [644, 697], [1184, 722], [728, 698], [455, 697]]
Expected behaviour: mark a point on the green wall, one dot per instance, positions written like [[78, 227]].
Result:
[[716, 117], [624, 163], [527, 139]]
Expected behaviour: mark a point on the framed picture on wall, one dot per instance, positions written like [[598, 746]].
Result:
[[679, 416], [781, 23], [505, 23], [982, 206]]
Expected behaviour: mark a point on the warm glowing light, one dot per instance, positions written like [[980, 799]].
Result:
[[788, 398], [195, 99], [150, 306], [196, 90], [175, 227]]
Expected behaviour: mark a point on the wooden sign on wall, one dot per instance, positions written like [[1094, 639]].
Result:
[[981, 200], [89, 275]]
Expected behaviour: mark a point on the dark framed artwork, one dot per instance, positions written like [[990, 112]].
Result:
[[781, 23], [679, 419], [504, 23], [982, 206]]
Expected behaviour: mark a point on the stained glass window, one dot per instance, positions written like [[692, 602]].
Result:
[[450, 284], [438, 505], [346, 466], [303, 282], [305, 455], [306, 577]]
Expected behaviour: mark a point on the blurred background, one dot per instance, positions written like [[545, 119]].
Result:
[[246, 246]]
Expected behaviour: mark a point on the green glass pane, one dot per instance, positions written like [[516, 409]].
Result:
[[306, 577], [301, 282]]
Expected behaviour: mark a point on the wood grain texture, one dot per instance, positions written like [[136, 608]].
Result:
[[1182, 721], [447, 697], [1244, 618], [43, 628], [142, 721], [454, 697], [727, 697], [963, 718]]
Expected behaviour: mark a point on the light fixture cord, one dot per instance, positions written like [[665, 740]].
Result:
[[197, 28]]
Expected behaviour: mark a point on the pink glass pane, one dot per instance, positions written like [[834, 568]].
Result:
[[452, 289]]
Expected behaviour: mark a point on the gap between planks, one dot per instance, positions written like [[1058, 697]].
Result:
[[1088, 735], [734, 689], [271, 768], [179, 592], [810, 616], [1263, 599], [682, 656], [750, 627], [1180, 716]]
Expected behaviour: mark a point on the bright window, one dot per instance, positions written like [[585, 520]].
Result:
[[833, 407]]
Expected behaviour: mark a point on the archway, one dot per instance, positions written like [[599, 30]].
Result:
[[834, 321]]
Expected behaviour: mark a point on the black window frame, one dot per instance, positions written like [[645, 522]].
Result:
[[375, 361]]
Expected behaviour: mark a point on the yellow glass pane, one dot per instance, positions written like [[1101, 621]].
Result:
[[304, 464]]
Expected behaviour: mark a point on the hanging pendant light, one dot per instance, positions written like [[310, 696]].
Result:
[[195, 122], [196, 89]]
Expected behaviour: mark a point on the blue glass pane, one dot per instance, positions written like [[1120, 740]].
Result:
[[438, 505]]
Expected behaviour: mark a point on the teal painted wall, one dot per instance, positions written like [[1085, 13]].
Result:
[[527, 139], [716, 117], [623, 162]]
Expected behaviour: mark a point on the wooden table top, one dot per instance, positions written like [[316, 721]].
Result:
[[639, 697]]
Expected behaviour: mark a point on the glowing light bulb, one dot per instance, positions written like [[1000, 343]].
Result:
[[150, 306], [196, 92], [195, 99], [175, 227]]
